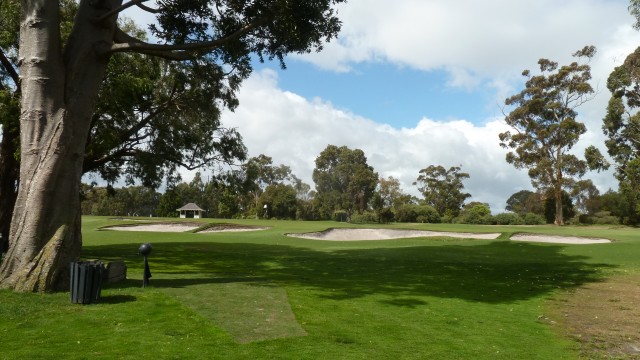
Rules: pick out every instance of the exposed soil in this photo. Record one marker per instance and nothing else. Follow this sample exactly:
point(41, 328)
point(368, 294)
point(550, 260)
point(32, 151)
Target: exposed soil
point(604, 318)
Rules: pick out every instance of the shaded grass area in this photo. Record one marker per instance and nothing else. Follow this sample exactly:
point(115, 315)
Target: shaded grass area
point(262, 295)
point(491, 272)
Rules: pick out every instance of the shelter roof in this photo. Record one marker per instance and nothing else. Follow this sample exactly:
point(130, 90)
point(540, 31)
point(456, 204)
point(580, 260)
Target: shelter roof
point(190, 207)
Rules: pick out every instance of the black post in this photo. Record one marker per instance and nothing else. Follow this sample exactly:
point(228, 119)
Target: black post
point(144, 250)
point(147, 273)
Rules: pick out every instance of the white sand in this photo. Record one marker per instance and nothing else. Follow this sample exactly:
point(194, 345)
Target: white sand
point(369, 234)
point(234, 229)
point(385, 234)
point(155, 227)
point(558, 239)
point(175, 227)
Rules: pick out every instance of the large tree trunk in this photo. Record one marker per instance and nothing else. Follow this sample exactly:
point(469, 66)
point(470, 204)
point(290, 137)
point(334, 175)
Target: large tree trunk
point(559, 215)
point(58, 98)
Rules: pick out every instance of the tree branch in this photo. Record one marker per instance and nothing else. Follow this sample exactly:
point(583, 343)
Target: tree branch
point(126, 6)
point(126, 43)
point(10, 69)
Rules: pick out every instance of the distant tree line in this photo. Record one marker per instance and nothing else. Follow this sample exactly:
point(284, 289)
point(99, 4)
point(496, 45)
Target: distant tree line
point(348, 189)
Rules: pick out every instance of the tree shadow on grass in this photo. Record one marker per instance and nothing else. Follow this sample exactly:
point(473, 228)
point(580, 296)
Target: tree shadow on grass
point(496, 272)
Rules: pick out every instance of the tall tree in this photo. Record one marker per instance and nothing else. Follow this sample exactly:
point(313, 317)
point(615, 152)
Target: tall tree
point(151, 117)
point(621, 125)
point(344, 181)
point(443, 189)
point(60, 81)
point(545, 125)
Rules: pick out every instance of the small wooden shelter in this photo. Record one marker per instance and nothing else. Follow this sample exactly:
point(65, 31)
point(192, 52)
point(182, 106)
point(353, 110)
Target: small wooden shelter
point(190, 211)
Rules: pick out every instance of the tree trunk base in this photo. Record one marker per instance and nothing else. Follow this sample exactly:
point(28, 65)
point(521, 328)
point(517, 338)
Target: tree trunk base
point(46, 271)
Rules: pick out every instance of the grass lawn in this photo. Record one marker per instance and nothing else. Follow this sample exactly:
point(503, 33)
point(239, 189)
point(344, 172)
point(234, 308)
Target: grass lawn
point(263, 295)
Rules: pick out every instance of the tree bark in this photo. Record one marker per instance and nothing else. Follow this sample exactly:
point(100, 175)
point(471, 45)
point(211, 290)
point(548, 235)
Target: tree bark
point(558, 197)
point(58, 97)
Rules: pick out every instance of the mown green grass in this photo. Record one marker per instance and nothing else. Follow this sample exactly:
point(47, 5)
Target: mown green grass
point(263, 295)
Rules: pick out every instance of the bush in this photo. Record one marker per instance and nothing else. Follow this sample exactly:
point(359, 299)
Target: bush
point(534, 219)
point(406, 213)
point(366, 217)
point(427, 214)
point(417, 213)
point(599, 218)
point(508, 219)
point(385, 216)
point(340, 215)
point(477, 214)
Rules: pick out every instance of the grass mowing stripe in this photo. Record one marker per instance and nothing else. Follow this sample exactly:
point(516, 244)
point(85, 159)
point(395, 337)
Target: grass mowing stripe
point(249, 311)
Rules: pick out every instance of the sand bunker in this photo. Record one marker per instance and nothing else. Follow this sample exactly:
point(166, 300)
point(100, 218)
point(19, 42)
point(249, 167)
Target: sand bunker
point(184, 227)
point(216, 229)
point(558, 239)
point(385, 234)
point(155, 227)
point(359, 234)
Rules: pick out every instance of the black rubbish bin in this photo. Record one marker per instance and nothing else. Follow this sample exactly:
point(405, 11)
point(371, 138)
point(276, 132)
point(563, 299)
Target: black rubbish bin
point(86, 281)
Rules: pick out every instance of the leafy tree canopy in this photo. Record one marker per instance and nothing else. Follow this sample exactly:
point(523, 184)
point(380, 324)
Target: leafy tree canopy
point(344, 180)
point(443, 189)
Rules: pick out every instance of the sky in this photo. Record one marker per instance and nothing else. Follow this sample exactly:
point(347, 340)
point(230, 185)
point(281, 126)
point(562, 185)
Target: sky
point(415, 83)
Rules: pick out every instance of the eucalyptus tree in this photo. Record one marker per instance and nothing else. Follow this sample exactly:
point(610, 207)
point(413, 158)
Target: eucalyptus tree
point(151, 117)
point(259, 173)
point(621, 126)
point(544, 125)
point(60, 81)
point(278, 201)
point(344, 181)
point(443, 188)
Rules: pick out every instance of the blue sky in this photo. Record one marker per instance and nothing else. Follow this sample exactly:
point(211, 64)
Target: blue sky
point(386, 93)
point(415, 83)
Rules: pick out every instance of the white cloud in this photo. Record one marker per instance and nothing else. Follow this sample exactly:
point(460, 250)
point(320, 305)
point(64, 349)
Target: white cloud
point(488, 38)
point(480, 44)
point(293, 131)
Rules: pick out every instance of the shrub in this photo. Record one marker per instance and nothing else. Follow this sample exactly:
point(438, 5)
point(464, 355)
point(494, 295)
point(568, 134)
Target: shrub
point(340, 215)
point(417, 213)
point(406, 213)
point(508, 219)
point(385, 216)
point(599, 218)
point(366, 217)
point(534, 219)
point(477, 214)
point(427, 214)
